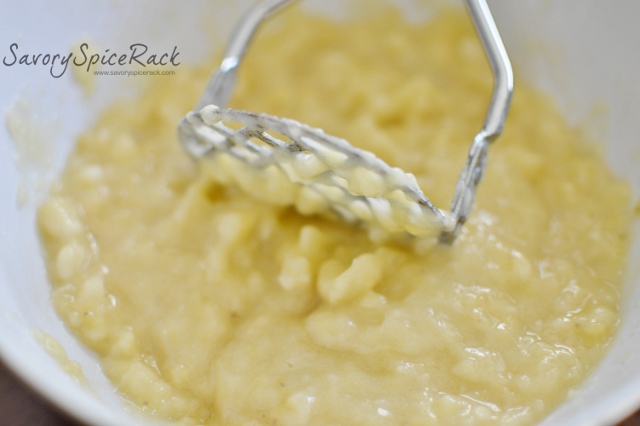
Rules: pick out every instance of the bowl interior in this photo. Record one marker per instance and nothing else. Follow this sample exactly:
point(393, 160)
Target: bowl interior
point(579, 51)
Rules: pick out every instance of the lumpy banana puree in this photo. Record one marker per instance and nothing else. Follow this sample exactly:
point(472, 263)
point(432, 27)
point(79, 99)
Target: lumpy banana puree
point(209, 306)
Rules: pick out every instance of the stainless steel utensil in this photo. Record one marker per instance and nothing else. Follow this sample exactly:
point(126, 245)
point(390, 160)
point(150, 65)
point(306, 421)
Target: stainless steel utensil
point(350, 181)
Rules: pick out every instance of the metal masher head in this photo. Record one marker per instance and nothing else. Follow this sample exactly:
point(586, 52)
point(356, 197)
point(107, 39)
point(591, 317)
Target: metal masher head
point(327, 170)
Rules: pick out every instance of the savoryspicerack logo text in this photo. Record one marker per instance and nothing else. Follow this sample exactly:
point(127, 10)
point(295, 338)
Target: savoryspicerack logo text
point(138, 54)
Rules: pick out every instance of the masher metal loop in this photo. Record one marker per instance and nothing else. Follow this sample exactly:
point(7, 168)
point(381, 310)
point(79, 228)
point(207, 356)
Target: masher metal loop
point(472, 173)
point(222, 82)
point(500, 66)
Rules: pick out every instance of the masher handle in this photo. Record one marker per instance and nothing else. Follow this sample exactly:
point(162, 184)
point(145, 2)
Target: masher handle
point(223, 80)
point(473, 171)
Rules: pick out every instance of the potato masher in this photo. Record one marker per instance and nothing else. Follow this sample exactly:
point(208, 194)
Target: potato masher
point(339, 177)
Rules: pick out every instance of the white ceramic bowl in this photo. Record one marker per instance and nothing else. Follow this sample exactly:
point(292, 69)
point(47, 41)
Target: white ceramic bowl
point(584, 52)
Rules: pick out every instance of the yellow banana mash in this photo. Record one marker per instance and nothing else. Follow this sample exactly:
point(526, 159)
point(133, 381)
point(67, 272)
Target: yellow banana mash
point(209, 306)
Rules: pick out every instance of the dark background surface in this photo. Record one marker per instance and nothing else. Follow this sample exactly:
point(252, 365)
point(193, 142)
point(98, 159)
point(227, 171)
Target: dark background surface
point(19, 406)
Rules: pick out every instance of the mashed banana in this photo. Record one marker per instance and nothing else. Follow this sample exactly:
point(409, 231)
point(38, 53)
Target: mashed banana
point(208, 306)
